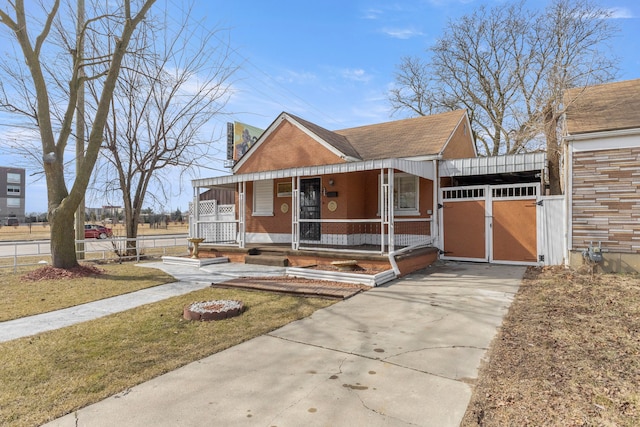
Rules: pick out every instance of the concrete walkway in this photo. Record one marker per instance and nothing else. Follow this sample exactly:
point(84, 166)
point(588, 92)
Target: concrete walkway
point(403, 354)
point(190, 279)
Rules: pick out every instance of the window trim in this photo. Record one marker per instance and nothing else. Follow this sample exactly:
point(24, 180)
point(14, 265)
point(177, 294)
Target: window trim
point(14, 189)
point(402, 211)
point(263, 202)
point(11, 200)
point(11, 178)
point(284, 189)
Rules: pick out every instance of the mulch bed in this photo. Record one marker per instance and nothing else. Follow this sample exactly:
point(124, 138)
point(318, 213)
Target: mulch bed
point(296, 285)
point(53, 273)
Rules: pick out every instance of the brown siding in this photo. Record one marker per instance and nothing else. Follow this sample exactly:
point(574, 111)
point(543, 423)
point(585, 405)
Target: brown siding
point(606, 199)
point(461, 144)
point(280, 222)
point(287, 147)
point(357, 199)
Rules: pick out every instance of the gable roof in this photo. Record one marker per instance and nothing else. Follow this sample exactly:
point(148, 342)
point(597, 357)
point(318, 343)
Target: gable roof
point(415, 137)
point(408, 138)
point(604, 107)
point(339, 142)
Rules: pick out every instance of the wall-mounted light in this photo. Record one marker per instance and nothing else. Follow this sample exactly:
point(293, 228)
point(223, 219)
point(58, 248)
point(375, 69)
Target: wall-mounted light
point(331, 182)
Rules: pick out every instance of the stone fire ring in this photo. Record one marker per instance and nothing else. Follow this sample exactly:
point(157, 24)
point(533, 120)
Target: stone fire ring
point(213, 310)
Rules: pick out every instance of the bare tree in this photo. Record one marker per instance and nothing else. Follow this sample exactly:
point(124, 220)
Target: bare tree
point(509, 66)
point(48, 94)
point(161, 103)
point(575, 55)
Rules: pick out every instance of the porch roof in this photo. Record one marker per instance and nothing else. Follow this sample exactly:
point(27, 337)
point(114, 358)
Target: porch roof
point(423, 169)
point(493, 165)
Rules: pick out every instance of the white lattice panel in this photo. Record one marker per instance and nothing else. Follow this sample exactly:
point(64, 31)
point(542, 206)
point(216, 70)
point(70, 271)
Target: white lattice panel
point(208, 207)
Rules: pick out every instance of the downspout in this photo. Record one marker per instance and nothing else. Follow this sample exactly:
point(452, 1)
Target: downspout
point(394, 264)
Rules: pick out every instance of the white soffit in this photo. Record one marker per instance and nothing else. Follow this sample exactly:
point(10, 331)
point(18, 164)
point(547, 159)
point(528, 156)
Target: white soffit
point(422, 169)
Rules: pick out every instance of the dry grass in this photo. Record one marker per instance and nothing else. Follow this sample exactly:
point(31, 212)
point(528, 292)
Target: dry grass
point(54, 373)
point(568, 354)
point(41, 231)
point(22, 298)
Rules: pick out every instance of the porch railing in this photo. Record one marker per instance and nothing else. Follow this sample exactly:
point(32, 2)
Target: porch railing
point(363, 235)
point(217, 224)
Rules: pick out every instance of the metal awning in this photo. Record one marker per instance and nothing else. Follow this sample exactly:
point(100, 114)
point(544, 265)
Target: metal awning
point(423, 169)
point(493, 165)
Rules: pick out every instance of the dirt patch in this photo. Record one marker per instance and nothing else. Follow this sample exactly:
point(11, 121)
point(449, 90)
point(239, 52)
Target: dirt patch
point(52, 273)
point(568, 354)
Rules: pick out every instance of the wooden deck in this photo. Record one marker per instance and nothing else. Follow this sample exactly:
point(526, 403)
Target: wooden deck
point(294, 286)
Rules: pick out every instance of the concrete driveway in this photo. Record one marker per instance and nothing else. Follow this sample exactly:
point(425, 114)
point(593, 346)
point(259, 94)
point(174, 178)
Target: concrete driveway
point(405, 354)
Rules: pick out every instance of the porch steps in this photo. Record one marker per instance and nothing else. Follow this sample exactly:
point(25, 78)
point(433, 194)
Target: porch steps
point(270, 260)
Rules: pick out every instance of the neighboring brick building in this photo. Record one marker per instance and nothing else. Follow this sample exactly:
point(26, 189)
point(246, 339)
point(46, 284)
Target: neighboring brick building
point(12, 194)
point(602, 136)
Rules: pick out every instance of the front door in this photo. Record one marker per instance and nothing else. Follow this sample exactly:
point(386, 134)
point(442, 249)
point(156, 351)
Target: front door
point(309, 209)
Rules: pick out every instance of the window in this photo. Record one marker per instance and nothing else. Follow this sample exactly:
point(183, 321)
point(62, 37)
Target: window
point(284, 189)
point(263, 198)
point(13, 190)
point(13, 202)
point(405, 194)
point(13, 178)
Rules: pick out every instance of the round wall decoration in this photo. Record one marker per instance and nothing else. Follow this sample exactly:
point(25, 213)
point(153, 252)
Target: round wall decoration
point(332, 205)
point(284, 208)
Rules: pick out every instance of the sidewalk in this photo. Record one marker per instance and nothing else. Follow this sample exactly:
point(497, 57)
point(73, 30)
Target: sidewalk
point(190, 279)
point(402, 354)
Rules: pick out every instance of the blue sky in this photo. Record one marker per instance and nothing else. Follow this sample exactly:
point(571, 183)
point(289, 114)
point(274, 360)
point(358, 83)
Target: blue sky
point(331, 62)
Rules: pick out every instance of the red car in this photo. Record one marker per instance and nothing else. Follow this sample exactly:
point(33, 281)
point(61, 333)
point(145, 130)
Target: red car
point(94, 231)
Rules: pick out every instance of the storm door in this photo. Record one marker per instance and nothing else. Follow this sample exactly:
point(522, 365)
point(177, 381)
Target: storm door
point(310, 208)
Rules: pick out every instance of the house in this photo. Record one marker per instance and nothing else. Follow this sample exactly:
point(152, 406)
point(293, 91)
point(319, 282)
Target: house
point(370, 190)
point(602, 143)
point(12, 195)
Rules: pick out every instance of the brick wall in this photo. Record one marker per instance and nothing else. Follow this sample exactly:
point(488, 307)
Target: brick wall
point(606, 199)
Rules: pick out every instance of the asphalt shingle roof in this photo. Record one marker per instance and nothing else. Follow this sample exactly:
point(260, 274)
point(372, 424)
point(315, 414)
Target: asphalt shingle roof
point(605, 107)
point(420, 136)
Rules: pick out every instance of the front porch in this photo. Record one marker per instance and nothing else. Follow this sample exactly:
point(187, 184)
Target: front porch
point(282, 255)
point(370, 206)
point(372, 211)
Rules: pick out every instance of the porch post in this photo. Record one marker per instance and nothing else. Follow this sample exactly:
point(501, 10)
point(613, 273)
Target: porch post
point(295, 213)
point(390, 213)
point(242, 190)
point(193, 228)
point(383, 208)
point(435, 214)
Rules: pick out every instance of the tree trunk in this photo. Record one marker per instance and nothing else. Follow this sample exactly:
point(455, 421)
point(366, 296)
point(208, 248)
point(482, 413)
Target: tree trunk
point(553, 150)
point(63, 249)
point(131, 226)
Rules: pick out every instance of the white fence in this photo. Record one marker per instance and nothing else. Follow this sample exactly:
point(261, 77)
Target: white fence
point(29, 253)
point(215, 223)
point(552, 230)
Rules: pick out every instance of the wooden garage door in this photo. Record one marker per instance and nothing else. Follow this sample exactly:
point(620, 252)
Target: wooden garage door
point(464, 223)
point(491, 223)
